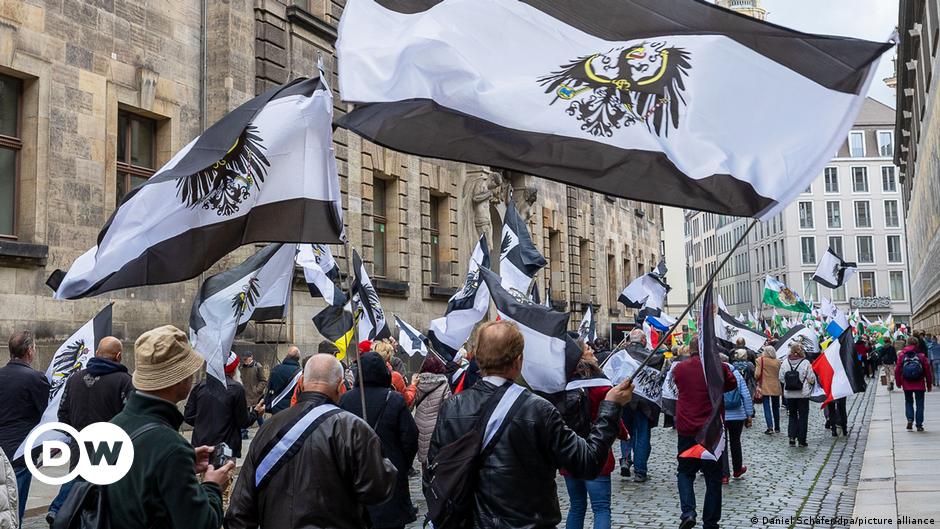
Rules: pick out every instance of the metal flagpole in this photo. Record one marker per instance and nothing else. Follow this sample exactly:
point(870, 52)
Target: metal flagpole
point(760, 311)
point(700, 293)
point(354, 340)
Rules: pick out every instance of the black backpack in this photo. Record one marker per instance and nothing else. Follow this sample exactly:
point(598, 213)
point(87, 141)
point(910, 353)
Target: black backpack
point(912, 370)
point(791, 379)
point(86, 506)
point(451, 478)
point(574, 405)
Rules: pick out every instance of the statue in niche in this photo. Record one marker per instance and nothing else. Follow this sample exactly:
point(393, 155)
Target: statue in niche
point(480, 192)
point(527, 208)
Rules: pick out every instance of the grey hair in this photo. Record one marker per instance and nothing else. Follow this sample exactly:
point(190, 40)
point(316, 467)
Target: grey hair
point(723, 357)
point(637, 336)
point(324, 369)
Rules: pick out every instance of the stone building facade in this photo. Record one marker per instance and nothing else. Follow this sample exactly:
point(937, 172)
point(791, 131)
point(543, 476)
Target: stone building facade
point(96, 95)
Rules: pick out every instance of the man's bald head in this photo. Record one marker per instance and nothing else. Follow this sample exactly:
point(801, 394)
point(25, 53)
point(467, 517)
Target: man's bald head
point(110, 347)
point(323, 374)
point(293, 352)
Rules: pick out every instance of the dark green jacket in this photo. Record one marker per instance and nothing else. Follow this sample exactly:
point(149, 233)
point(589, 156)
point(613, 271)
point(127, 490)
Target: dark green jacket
point(161, 489)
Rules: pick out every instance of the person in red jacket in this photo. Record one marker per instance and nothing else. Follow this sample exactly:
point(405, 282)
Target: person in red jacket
point(914, 381)
point(693, 409)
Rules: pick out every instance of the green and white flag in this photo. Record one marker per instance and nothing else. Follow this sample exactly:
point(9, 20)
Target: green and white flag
point(779, 295)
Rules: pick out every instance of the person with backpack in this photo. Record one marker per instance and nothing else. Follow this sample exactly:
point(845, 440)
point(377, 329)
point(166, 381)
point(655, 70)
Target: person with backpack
point(889, 358)
point(915, 377)
point(388, 415)
point(507, 475)
point(769, 388)
point(324, 477)
point(798, 378)
point(741, 361)
point(739, 409)
point(586, 403)
point(162, 489)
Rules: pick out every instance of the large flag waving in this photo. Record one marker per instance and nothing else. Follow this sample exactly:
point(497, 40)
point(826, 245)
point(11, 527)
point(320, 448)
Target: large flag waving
point(587, 330)
point(832, 271)
point(623, 97)
point(465, 309)
point(550, 355)
point(711, 437)
point(71, 356)
point(264, 172)
point(337, 324)
point(777, 294)
point(519, 259)
point(838, 370)
point(647, 292)
point(729, 330)
point(410, 338)
point(372, 324)
point(800, 334)
point(320, 272)
point(256, 290)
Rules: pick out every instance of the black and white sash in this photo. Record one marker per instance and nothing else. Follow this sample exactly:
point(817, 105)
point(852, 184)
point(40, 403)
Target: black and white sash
point(289, 440)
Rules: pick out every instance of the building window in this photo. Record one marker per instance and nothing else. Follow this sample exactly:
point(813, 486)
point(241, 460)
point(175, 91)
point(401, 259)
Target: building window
point(555, 263)
point(885, 143)
point(626, 271)
point(838, 294)
point(834, 215)
point(889, 183)
point(584, 260)
point(860, 179)
point(435, 229)
point(835, 243)
point(894, 249)
point(810, 291)
point(892, 218)
point(806, 216)
point(865, 252)
point(808, 248)
point(11, 90)
point(832, 179)
point(612, 291)
point(379, 227)
point(862, 214)
point(896, 279)
point(857, 144)
point(135, 151)
point(866, 283)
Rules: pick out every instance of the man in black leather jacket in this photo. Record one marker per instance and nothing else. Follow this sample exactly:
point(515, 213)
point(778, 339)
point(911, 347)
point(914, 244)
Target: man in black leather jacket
point(516, 482)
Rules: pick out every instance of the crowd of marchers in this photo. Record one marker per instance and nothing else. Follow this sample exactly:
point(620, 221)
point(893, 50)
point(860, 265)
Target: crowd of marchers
point(337, 444)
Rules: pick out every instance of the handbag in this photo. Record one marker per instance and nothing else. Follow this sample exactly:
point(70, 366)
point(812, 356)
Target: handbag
point(758, 394)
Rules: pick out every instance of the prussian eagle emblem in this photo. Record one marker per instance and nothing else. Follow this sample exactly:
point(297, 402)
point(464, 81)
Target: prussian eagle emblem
point(66, 363)
point(624, 86)
point(225, 184)
point(246, 297)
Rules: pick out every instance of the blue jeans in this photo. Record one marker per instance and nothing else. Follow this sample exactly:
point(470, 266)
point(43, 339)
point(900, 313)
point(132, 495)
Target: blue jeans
point(935, 366)
point(685, 480)
point(910, 397)
point(637, 449)
point(23, 479)
point(578, 492)
point(772, 412)
point(60, 497)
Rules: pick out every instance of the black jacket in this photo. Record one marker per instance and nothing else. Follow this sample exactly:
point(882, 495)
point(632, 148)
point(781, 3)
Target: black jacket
point(24, 393)
point(218, 416)
point(337, 471)
point(889, 355)
point(516, 482)
point(281, 375)
point(389, 417)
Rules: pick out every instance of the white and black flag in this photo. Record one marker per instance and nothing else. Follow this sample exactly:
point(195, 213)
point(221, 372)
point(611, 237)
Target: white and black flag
point(801, 334)
point(587, 330)
point(647, 292)
point(465, 309)
point(519, 259)
point(623, 97)
point(372, 324)
point(265, 172)
point(729, 330)
point(320, 272)
point(832, 271)
point(71, 356)
point(550, 356)
point(411, 339)
point(534, 295)
point(256, 290)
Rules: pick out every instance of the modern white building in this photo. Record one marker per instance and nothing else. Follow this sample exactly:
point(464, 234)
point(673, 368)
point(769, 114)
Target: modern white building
point(674, 253)
point(854, 207)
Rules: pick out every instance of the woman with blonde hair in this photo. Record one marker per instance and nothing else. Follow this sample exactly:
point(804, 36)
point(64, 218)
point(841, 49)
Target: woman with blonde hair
point(768, 389)
point(798, 380)
point(386, 350)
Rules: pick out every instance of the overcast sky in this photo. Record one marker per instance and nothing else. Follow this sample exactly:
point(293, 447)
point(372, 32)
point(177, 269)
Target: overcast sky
point(866, 19)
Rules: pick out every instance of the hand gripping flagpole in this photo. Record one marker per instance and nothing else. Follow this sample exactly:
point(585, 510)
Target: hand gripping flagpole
point(354, 339)
point(698, 296)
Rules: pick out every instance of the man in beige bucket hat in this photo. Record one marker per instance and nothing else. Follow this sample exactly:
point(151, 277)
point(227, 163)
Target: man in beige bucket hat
point(162, 490)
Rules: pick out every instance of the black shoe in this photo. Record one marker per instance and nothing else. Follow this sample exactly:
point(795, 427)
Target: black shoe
point(776, 430)
point(639, 478)
point(835, 432)
point(803, 444)
point(624, 468)
point(768, 431)
point(50, 518)
point(687, 523)
point(792, 442)
point(910, 425)
point(920, 428)
point(827, 425)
